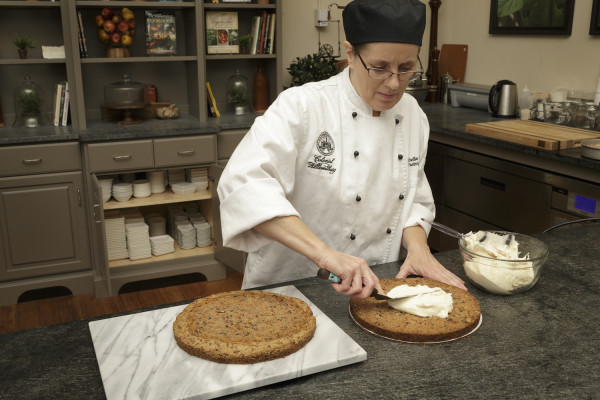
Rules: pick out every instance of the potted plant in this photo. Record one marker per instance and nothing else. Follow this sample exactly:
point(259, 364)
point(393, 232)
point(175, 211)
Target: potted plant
point(23, 43)
point(314, 67)
point(238, 98)
point(29, 99)
point(244, 43)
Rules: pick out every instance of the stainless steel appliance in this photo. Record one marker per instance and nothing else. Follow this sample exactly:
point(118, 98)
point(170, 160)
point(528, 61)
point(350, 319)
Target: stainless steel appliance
point(503, 99)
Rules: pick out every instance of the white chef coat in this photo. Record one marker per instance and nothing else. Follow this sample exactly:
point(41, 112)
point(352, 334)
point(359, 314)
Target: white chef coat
point(318, 153)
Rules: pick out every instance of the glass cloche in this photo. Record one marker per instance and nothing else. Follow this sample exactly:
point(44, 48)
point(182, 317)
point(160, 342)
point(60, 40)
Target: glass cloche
point(29, 104)
point(238, 98)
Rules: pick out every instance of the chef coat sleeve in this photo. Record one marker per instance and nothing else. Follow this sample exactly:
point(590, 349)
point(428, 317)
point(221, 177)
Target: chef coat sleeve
point(422, 205)
point(260, 173)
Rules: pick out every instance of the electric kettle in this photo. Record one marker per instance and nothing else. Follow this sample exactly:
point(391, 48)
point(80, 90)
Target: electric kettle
point(503, 99)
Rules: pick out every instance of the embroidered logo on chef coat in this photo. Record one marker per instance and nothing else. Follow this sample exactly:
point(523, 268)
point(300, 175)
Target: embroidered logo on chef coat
point(325, 144)
point(326, 147)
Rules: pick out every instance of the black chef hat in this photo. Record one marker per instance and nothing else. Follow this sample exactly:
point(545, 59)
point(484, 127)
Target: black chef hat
point(401, 21)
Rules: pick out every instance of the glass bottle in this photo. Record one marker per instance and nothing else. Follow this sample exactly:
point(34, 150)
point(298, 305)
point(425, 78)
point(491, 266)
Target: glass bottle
point(238, 99)
point(29, 103)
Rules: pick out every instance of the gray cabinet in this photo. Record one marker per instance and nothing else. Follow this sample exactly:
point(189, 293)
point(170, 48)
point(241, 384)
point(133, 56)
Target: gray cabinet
point(117, 158)
point(43, 231)
point(179, 78)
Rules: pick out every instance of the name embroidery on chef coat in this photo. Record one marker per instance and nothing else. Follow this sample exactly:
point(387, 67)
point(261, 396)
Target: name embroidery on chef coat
point(413, 162)
point(326, 147)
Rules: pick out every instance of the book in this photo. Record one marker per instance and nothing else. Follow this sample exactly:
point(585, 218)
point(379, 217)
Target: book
point(222, 32)
point(272, 34)
point(65, 113)
point(83, 49)
point(261, 42)
point(161, 33)
point(254, 33)
point(62, 103)
point(56, 104)
point(213, 102)
point(267, 27)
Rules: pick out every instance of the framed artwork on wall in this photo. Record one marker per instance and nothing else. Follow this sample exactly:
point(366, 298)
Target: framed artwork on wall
point(595, 22)
point(533, 17)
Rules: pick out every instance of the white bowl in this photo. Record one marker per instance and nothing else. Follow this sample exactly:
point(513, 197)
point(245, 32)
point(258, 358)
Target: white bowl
point(591, 148)
point(183, 188)
point(122, 197)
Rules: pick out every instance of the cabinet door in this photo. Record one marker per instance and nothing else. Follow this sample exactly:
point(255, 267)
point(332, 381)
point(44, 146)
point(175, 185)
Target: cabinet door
point(232, 258)
point(43, 229)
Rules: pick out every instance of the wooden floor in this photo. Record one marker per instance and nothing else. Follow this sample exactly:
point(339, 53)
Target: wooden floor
point(35, 313)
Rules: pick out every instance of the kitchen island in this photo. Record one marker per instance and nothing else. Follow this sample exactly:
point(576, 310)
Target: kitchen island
point(539, 344)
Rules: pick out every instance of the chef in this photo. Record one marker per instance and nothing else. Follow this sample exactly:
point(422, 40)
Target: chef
point(331, 176)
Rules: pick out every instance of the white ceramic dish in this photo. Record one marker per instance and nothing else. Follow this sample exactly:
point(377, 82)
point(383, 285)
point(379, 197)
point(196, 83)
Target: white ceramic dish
point(591, 148)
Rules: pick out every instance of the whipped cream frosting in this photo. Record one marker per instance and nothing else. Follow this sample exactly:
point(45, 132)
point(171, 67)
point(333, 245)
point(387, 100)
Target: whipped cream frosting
point(493, 273)
point(437, 303)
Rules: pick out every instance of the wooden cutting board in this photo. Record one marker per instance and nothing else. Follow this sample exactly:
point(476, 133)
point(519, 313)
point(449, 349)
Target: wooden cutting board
point(453, 59)
point(533, 133)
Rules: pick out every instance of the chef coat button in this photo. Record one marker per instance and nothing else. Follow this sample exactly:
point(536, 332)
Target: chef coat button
point(400, 156)
point(388, 231)
point(358, 198)
point(401, 197)
point(397, 121)
point(352, 236)
point(356, 153)
point(354, 114)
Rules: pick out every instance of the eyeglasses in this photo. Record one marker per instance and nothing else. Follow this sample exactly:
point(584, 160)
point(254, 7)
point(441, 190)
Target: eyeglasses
point(382, 74)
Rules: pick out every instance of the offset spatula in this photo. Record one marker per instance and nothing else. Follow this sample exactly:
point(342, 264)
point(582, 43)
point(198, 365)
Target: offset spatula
point(325, 274)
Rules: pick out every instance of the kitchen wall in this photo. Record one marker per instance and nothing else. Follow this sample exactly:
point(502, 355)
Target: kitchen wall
point(540, 62)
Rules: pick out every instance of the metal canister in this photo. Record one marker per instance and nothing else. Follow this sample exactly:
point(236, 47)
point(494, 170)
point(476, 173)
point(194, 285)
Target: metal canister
point(445, 82)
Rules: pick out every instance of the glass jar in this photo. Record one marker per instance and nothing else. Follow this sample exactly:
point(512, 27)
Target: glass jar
point(238, 99)
point(29, 103)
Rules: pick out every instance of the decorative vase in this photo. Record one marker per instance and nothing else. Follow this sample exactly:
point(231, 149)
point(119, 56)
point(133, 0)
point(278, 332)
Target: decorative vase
point(261, 91)
point(29, 103)
point(22, 53)
point(117, 52)
point(237, 93)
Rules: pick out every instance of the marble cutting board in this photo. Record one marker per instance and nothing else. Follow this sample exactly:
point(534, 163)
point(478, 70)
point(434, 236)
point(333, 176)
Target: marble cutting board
point(139, 359)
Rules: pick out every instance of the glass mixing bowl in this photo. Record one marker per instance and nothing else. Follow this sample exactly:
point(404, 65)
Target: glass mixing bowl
point(506, 277)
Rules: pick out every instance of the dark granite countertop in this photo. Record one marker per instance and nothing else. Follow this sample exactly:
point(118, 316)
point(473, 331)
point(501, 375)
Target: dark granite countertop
point(445, 121)
point(539, 344)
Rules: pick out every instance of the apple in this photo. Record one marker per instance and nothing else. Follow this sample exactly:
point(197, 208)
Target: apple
point(103, 36)
point(126, 40)
point(115, 38)
point(123, 27)
point(99, 21)
point(107, 13)
point(109, 26)
point(132, 24)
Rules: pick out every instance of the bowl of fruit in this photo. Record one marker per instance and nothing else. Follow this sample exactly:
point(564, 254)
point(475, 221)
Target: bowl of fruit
point(116, 30)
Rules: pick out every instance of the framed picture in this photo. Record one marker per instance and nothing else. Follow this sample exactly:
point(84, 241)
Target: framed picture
point(533, 17)
point(595, 22)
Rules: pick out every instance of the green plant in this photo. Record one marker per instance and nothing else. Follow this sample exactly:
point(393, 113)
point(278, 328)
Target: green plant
point(312, 68)
point(29, 102)
point(245, 40)
point(237, 96)
point(23, 42)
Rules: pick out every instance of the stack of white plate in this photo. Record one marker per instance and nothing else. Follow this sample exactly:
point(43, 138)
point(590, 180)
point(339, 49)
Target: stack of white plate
point(158, 226)
point(197, 176)
point(183, 188)
point(176, 176)
point(106, 185)
point(202, 234)
point(122, 191)
point(116, 240)
point(162, 244)
point(197, 218)
point(141, 188)
point(138, 240)
point(158, 181)
point(186, 235)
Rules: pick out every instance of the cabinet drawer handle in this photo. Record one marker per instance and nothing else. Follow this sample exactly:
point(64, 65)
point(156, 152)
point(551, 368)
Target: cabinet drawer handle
point(185, 153)
point(32, 161)
point(122, 158)
point(492, 184)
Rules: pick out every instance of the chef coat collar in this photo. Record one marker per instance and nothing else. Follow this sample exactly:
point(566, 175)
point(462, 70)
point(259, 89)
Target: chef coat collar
point(357, 103)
